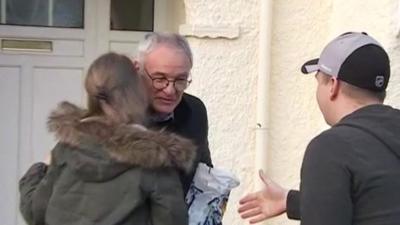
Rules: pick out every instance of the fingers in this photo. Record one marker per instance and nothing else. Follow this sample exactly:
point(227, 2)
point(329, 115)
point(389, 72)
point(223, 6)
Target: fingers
point(266, 203)
point(258, 218)
point(247, 198)
point(248, 206)
point(251, 213)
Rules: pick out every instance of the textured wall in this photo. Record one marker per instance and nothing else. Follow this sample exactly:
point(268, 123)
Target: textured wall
point(225, 77)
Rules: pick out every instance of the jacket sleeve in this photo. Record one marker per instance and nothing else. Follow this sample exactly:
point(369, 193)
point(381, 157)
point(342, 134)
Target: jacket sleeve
point(204, 149)
point(293, 205)
point(35, 190)
point(167, 203)
point(326, 182)
point(27, 187)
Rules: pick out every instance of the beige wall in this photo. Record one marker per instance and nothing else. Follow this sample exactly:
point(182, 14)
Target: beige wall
point(225, 77)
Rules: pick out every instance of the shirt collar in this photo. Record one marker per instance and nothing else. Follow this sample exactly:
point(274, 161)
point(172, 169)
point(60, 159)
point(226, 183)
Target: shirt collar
point(163, 118)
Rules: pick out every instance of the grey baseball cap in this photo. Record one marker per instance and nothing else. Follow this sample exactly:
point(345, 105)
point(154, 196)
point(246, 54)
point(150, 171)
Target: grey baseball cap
point(355, 58)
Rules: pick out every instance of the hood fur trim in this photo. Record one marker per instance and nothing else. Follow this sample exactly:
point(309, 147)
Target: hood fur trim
point(130, 144)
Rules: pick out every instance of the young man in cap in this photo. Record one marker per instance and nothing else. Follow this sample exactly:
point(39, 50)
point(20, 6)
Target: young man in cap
point(350, 172)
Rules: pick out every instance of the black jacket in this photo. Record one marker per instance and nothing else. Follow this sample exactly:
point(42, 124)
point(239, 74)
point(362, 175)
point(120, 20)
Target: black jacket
point(102, 174)
point(351, 172)
point(190, 121)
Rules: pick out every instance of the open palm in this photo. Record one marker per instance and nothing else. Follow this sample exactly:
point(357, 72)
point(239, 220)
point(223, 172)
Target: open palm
point(263, 204)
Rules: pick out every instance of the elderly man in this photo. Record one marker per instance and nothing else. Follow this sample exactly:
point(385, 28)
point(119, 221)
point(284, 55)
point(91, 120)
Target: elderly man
point(165, 59)
point(350, 172)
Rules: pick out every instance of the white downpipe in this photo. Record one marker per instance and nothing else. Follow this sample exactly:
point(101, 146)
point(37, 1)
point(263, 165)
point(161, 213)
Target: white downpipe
point(263, 86)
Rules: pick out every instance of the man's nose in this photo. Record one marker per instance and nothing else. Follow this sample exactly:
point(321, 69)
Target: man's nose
point(170, 88)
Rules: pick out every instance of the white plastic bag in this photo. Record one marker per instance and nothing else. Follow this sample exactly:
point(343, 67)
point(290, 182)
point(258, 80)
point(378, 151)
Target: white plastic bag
point(208, 195)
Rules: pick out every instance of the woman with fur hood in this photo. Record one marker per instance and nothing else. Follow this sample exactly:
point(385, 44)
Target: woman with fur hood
point(107, 168)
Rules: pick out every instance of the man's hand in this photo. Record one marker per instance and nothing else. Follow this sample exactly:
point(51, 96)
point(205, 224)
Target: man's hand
point(264, 204)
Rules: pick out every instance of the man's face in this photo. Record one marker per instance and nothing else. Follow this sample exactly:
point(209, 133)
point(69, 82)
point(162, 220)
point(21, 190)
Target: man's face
point(166, 62)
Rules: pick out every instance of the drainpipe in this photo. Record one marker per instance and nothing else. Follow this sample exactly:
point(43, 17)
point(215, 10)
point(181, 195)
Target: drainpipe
point(263, 84)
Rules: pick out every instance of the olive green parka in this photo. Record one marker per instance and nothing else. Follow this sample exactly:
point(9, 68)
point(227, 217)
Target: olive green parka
point(105, 175)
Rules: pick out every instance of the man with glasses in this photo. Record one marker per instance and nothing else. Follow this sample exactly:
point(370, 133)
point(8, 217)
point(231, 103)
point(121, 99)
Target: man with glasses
point(166, 60)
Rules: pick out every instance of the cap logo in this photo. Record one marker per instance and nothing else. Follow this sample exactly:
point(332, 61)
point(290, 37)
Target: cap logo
point(379, 81)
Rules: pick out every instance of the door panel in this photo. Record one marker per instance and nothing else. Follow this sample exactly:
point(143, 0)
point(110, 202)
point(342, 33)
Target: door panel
point(9, 129)
point(125, 42)
point(51, 86)
point(33, 81)
point(127, 48)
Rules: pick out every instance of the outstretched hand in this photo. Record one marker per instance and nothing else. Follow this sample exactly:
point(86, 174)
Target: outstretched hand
point(266, 203)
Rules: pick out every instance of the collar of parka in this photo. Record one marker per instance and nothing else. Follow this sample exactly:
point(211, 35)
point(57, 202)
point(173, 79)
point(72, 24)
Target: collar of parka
point(128, 144)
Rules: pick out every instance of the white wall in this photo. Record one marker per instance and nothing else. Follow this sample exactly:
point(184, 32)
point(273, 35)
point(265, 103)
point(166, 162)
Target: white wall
point(224, 77)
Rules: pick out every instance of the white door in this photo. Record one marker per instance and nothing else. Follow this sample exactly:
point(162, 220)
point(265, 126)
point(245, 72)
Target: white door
point(44, 54)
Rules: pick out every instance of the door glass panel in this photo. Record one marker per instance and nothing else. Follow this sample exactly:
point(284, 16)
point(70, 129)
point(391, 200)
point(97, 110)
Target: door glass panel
point(68, 13)
point(137, 15)
point(48, 13)
point(22, 12)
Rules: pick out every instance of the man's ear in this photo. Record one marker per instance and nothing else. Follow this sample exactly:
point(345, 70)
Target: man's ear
point(135, 64)
point(335, 85)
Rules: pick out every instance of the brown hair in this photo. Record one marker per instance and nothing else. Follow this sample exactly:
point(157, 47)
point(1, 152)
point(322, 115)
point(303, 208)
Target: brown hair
point(361, 95)
point(115, 90)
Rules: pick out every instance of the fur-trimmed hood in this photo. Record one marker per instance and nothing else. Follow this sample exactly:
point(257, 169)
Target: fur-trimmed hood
point(94, 146)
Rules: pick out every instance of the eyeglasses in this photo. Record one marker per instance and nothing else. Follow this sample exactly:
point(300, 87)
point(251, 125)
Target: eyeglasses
point(161, 83)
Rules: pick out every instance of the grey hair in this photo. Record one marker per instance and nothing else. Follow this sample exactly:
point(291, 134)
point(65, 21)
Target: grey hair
point(152, 40)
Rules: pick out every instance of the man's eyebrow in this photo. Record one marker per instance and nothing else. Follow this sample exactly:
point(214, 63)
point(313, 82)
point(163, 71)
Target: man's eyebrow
point(159, 74)
point(162, 74)
point(185, 74)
